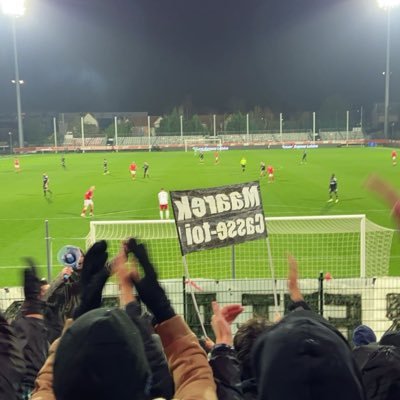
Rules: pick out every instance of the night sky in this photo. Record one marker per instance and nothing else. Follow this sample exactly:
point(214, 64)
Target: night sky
point(150, 55)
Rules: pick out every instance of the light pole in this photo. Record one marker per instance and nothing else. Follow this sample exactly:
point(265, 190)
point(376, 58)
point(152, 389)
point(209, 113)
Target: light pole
point(11, 147)
point(387, 5)
point(15, 9)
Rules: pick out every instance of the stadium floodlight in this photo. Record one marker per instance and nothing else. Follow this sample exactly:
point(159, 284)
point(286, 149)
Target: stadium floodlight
point(10, 135)
point(15, 9)
point(387, 5)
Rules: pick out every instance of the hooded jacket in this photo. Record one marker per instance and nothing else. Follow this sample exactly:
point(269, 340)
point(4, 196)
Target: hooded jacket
point(187, 362)
point(381, 373)
point(304, 358)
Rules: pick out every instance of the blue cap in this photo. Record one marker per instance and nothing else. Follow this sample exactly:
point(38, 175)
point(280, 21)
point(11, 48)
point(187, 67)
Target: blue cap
point(363, 335)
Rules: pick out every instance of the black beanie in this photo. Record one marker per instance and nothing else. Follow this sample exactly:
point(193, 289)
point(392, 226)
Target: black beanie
point(301, 358)
point(101, 356)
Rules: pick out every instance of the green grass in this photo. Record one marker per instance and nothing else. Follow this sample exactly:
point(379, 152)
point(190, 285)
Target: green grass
point(298, 190)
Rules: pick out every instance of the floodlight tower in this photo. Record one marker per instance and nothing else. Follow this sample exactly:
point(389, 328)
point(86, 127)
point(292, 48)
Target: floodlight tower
point(16, 9)
point(387, 5)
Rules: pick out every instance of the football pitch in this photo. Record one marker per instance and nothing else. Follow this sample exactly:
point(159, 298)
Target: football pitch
point(299, 189)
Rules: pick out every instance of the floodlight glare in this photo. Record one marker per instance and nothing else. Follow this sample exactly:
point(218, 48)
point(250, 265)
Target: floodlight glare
point(388, 3)
point(14, 8)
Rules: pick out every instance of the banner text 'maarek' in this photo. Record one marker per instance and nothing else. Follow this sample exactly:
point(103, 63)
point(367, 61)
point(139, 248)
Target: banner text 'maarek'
point(219, 216)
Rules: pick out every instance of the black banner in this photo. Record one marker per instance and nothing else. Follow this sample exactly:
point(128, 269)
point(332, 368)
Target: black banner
point(219, 216)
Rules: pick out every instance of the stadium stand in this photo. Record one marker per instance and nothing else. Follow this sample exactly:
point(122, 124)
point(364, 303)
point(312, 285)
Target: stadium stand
point(233, 139)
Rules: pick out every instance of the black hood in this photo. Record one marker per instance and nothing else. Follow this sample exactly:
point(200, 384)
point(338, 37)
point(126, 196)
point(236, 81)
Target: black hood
point(101, 356)
point(303, 358)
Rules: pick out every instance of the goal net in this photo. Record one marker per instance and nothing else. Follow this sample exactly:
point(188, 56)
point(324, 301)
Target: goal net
point(346, 246)
point(203, 144)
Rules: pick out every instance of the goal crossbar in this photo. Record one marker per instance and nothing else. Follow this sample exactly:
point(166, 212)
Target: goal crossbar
point(203, 143)
point(344, 245)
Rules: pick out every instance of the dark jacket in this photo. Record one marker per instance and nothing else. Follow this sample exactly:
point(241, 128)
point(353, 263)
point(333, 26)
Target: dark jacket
point(61, 300)
point(187, 361)
point(390, 339)
point(249, 389)
point(248, 386)
point(381, 373)
point(162, 382)
point(362, 353)
point(303, 357)
point(31, 335)
point(226, 370)
point(12, 365)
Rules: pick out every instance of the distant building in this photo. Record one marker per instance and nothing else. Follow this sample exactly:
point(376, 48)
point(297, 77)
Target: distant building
point(89, 119)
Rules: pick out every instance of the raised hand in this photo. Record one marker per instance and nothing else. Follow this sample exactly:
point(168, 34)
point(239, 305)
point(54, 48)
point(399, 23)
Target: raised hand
point(387, 192)
point(93, 277)
point(293, 277)
point(231, 311)
point(125, 271)
point(31, 281)
point(221, 322)
point(148, 287)
point(32, 290)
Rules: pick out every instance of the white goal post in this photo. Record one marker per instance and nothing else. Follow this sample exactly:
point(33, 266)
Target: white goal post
point(343, 245)
point(203, 144)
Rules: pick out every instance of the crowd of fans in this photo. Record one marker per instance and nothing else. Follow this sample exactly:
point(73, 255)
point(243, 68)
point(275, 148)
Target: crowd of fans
point(63, 345)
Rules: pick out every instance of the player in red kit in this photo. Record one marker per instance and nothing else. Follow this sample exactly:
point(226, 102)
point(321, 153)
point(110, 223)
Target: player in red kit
point(132, 169)
point(216, 157)
point(17, 167)
point(394, 157)
point(88, 202)
point(270, 171)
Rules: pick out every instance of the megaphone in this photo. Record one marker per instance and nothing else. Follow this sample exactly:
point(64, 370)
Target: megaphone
point(70, 256)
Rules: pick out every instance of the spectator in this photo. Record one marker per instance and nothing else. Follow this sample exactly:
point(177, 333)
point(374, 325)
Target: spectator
point(248, 333)
point(304, 357)
point(12, 363)
point(380, 368)
point(30, 330)
point(186, 360)
point(162, 384)
point(227, 361)
point(62, 296)
point(243, 342)
point(223, 357)
point(363, 335)
point(101, 356)
point(390, 339)
point(364, 340)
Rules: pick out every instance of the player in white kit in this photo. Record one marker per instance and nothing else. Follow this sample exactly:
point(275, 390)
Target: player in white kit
point(163, 202)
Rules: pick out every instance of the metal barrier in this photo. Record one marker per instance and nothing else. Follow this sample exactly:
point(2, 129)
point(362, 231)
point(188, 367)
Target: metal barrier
point(346, 303)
